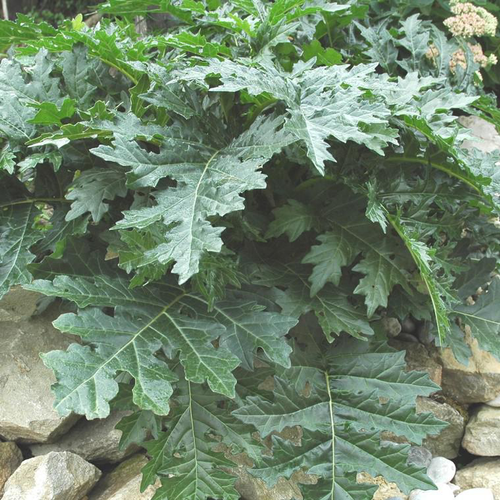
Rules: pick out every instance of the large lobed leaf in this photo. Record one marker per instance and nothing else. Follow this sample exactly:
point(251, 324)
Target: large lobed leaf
point(342, 402)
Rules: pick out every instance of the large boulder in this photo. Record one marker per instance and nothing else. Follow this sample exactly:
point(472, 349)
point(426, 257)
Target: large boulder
point(20, 304)
point(56, 476)
point(447, 442)
point(26, 401)
point(481, 473)
point(476, 382)
point(482, 434)
point(10, 459)
point(419, 359)
point(123, 483)
point(94, 440)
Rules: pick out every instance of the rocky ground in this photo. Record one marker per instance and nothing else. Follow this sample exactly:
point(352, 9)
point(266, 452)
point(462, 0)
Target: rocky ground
point(44, 456)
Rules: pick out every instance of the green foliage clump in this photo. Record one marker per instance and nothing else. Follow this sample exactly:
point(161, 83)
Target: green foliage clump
point(231, 208)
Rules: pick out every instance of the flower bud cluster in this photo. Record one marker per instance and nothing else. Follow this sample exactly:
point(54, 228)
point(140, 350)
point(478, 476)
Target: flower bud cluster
point(458, 57)
point(470, 20)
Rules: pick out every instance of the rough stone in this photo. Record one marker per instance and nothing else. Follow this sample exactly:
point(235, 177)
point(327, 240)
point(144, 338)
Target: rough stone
point(481, 473)
point(10, 459)
point(94, 440)
point(478, 382)
point(252, 488)
point(26, 401)
point(56, 476)
point(482, 434)
point(486, 137)
point(447, 442)
point(494, 402)
point(418, 358)
point(391, 326)
point(476, 494)
point(441, 470)
point(419, 456)
point(123, 483)
point(19, 304)
point(385, 489)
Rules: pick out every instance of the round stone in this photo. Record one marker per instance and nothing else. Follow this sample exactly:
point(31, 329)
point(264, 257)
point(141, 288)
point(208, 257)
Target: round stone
point(442, 493)
point(476, 494)
point(441, 470)
point(494, 402)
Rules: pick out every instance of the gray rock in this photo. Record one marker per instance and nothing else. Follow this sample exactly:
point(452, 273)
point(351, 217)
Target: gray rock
point(94, 440)
point(19, 304)
point(476, 494)
point(407, 337)
point(481, 473)
point(26, 401)
point(123, 483)
point(485, 136)
point(419, 456)
point(441, 470)
point(478, 382)
point(494, 402)
point(10, 459)
point(482, 434)
point(409, 326)
point(418, 358)
point(447, 442)
point(56, 476)
point(425, 335)
point(391, 326)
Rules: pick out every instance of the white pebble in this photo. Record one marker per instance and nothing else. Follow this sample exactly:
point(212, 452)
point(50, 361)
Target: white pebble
point(442, 493)
point(441, 470)
point(476, 494)
point(453, 487)
point(494, 402)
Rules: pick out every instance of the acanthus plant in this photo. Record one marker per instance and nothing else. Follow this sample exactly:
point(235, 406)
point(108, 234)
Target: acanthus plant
point(229, 208)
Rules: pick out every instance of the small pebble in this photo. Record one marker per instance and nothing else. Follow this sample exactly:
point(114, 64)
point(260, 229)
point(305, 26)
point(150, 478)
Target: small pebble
point(407, 337)
point(425, 336)
point(494, 402)
point(476, 494)
point(453, 487)
point(442, 493)
point(391, 326)
point(419, 456)
point(408, 325)
point(441, 470)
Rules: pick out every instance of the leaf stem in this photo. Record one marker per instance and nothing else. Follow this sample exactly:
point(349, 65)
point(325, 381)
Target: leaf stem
point(423, 161)
point(35, 200)
point(332, 425)
point(418, 261)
